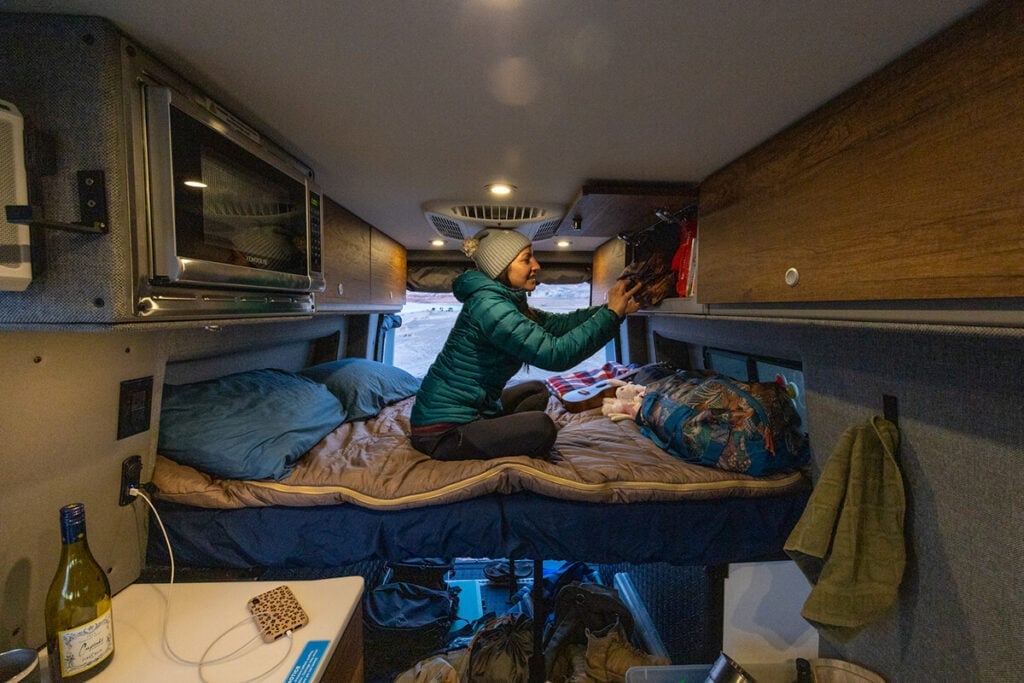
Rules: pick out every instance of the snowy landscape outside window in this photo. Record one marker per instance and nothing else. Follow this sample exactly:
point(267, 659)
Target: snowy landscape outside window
point(427, 317)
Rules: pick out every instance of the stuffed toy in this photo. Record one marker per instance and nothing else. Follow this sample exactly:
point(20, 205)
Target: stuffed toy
point(626, 402)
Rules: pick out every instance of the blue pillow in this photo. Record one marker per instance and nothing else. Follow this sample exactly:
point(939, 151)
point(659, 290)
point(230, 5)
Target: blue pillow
point(363, 386)
point(249, 425)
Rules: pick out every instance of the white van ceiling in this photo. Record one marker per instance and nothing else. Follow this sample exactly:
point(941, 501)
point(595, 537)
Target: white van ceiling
point(397, 103)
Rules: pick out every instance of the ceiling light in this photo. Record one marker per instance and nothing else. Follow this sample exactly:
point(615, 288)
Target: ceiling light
point(501, 188)
point(437, 243)
point(563, 243)
point(195, 183)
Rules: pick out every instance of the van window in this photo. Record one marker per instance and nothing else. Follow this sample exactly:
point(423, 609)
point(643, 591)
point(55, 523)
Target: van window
point(427, 317)
point(751, 368)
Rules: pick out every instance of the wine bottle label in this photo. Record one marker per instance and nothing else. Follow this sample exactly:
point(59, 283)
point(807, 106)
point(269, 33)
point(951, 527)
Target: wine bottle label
point(85, 646)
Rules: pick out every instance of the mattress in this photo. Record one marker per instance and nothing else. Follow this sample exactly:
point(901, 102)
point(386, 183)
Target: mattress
point(363, 493)
point(372, 464)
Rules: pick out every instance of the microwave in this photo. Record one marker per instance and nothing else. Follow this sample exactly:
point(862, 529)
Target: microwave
point(234, 224)
point(192, 212)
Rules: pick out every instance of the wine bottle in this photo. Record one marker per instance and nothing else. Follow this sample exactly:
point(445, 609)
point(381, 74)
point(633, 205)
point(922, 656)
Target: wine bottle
point(79, 620)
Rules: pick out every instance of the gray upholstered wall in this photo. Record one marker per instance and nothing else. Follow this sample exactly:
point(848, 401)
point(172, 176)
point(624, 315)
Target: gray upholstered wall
point(58, 435)
point(959, 390)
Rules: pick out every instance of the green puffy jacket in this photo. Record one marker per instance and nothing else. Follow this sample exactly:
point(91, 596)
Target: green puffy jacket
point(492, 339)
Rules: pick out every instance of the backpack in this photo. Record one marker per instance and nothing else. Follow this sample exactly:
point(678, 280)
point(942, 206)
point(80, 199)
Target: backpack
point(500, 651)
point(554, 581)
point(712, 420)
point(403, 623)
point(431, 572)
point(580, 607)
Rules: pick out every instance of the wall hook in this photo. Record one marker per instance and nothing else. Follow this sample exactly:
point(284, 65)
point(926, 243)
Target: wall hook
point(891, 409)
point(92, 207)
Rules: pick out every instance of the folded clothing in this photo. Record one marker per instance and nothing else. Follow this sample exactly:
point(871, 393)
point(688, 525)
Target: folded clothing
point(563, 384)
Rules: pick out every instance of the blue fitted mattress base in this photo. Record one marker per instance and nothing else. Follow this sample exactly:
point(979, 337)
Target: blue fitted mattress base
point(520, 525)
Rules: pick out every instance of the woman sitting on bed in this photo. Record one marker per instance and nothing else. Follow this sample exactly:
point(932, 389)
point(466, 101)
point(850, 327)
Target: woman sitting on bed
point(463, 410)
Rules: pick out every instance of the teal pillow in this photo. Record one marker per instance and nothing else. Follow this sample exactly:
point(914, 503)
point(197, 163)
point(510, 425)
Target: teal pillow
point(249, 425)
point(363, 386)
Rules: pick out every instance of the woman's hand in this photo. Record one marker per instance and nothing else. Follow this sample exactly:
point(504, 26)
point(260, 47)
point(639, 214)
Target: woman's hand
point(620, 299)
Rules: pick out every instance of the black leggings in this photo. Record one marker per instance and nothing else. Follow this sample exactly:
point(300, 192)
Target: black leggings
point(523, 428)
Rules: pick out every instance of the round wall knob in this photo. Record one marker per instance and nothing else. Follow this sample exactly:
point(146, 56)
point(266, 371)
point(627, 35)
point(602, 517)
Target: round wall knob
point(792, 277)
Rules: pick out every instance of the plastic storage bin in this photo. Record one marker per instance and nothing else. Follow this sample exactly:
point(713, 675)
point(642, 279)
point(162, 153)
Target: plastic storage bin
point(695, 673)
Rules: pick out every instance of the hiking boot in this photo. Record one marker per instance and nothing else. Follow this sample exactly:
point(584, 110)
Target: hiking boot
point(610, 654)
point(507, 573)
point(578, 657)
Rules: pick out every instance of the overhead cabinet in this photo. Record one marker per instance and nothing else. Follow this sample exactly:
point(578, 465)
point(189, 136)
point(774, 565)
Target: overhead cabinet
point(346, 257)
point(364, 269)
point(387, 271)
point(608, 208)
point(908, 186)
point(619, 209)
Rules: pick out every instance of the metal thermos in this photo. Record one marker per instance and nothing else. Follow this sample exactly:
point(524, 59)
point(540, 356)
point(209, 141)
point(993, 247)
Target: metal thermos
point(725, 670)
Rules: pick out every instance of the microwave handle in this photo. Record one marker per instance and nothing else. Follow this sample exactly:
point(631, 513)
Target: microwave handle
point(160, 166)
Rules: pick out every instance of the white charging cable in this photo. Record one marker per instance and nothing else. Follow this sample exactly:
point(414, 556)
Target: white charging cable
point(203, 661)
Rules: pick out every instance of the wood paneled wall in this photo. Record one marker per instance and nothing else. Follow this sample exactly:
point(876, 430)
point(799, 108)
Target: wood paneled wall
point(908, 186)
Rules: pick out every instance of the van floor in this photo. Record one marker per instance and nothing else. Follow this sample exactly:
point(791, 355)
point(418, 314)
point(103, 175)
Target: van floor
point(684, 603)
point(478, 595)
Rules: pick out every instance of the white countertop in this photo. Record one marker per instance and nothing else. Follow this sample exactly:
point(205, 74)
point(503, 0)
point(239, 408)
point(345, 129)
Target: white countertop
point(200, 613)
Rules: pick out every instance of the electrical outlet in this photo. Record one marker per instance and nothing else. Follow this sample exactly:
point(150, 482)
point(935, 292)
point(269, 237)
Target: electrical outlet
point(134, 406)
point(131, 475)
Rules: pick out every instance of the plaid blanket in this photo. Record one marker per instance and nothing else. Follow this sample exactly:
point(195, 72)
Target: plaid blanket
point(563, 384)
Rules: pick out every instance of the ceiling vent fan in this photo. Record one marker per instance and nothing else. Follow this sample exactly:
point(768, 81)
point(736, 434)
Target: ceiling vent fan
point(458, 221)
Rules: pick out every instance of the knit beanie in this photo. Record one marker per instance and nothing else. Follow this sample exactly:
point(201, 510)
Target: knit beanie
point(494, 248)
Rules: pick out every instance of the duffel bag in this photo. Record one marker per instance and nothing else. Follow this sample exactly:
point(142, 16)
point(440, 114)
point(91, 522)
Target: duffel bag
point(580, 607)
point(403, 623)
point(712, 420)
point(432, 572)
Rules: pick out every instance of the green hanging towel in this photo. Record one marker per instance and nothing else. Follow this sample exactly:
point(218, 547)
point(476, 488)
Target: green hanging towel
point(849, 542)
